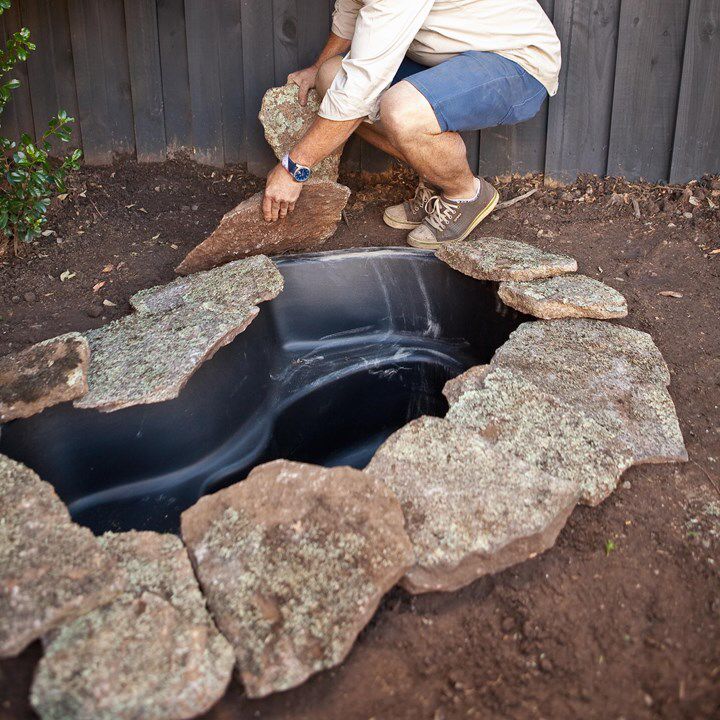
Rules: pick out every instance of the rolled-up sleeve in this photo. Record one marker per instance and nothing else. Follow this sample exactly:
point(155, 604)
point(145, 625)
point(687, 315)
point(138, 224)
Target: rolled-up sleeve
point(344, 18)
point(382, 34)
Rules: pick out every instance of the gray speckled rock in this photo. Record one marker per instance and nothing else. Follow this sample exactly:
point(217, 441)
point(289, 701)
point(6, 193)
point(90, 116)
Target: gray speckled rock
point(243, 231)
point(491, 258)
point(142, 359)
point(293, 562)
point(470, 508)
point(285, 121)
point(149, 356)
point(43, 375)
point(568, 296)
point(519, 418)
point(51, 570)
point(152, 654)
point(614, 375)
point(471, 379)
point(234, 286)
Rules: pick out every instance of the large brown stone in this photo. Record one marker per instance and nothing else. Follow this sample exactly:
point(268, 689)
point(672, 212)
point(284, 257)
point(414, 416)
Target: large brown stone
point(152, 654)
point(149, 356)
point(613, 374)
point(567, 296)
point(244, 232)
point(470, 508)
point(43, 375)
point(293, 562)
point(51, 570)
point(491, 258)
point(285, 121)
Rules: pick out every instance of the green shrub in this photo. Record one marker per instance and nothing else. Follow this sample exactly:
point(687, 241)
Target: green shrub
point(30, 176)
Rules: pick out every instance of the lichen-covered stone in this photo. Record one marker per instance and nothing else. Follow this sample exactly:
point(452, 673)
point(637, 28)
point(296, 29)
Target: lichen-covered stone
point(520, 418)
point(43, 375)
point(142, 359)
point(152, 654)
point(470, 508)
point(567, 296)
point(471, 379)
point(244, 232)
point(614, 375)
point(293, 562)
point(234, 286)
point(51, 570)
point(285, 121)
point(491, 258)
point(149, 356)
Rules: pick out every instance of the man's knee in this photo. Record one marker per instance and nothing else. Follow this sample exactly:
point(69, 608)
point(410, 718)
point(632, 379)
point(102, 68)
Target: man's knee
point(326, 74)
point(405, 113)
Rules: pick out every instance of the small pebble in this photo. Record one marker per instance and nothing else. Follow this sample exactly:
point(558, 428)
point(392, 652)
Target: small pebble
point(30, 297)
point(94, 311)
point(15, 299)
point(507, 624)
point(545, 665)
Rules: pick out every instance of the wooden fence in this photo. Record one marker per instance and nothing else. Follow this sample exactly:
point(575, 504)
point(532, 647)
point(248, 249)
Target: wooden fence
point(639, 93)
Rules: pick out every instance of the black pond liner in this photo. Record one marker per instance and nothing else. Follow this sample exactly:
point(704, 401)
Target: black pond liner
point(358, 343)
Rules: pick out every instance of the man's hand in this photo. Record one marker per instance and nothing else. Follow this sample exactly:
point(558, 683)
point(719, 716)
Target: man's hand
point(305, 80)
point(281, 194)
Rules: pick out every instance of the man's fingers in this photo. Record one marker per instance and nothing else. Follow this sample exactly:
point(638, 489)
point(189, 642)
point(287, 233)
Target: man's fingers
point(283, 210)
point(275, 210)
point(291, 207)
point(303, 95)
point(267, 208)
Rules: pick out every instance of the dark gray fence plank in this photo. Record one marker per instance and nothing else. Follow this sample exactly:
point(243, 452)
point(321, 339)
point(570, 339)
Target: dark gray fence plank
point(579, 118)
point(17, 118)
point(285, 40)
point(51, 72)
point(97, 29)
point(697, 133)
point(146, 79)
point(472, 144)
point(647, 80)
point(175, 77)
point(516, 148)
point(259, 64)
point(230, 47)
point(204, 73)
point(313, 28)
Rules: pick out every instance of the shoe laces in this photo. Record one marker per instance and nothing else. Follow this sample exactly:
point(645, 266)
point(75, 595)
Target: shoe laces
point(422, 195)
point(440, 211)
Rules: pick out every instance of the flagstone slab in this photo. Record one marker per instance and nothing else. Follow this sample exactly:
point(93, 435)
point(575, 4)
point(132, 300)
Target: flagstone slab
point(470, 508)
point(565, 296)
point(51, 570)
point(231, 287)
point(293, 562)
point(497, 259)
point(285, 122)
point(612, 374)
point(518, 417)
point(154, 653)
point(244, 232)
point(43, 375)
point(149, 356)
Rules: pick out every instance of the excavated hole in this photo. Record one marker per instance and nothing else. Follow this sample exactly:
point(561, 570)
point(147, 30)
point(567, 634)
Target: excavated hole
point(358, 344)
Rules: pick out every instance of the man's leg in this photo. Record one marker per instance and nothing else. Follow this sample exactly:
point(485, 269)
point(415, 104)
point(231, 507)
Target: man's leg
point(409, 123)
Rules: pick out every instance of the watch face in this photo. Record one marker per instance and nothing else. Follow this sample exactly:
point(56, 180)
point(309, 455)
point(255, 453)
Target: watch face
point(302, 174)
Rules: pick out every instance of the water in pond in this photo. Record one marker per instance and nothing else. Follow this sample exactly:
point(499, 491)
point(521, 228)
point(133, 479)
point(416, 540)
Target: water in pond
point(357, 344)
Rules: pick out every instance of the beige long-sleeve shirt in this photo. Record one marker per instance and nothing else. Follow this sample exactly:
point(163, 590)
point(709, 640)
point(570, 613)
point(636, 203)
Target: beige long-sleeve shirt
point(429, 32)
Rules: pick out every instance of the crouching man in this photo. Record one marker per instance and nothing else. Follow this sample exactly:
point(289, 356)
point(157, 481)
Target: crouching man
point(410, 75)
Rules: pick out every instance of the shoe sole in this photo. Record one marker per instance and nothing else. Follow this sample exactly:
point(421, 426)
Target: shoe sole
point(399, 224)
point(481, 216)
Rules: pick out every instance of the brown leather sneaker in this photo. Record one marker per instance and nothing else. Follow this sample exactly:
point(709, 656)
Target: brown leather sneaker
point(453, 219)
point(410, 214)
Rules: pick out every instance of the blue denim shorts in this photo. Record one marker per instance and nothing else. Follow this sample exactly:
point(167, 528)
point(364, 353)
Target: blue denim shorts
point(476, 90)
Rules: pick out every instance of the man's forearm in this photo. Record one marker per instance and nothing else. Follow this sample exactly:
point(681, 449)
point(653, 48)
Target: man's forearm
point(335, 45)
point(322, 139)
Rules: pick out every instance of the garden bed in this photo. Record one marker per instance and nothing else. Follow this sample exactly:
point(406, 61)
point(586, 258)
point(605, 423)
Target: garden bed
point(622, 617)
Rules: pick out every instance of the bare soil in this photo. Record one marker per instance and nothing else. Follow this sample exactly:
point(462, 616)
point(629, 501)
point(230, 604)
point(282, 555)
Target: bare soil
point(621, 619)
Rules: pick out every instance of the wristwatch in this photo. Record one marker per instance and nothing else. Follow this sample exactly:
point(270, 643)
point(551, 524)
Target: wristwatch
point(300, 173)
